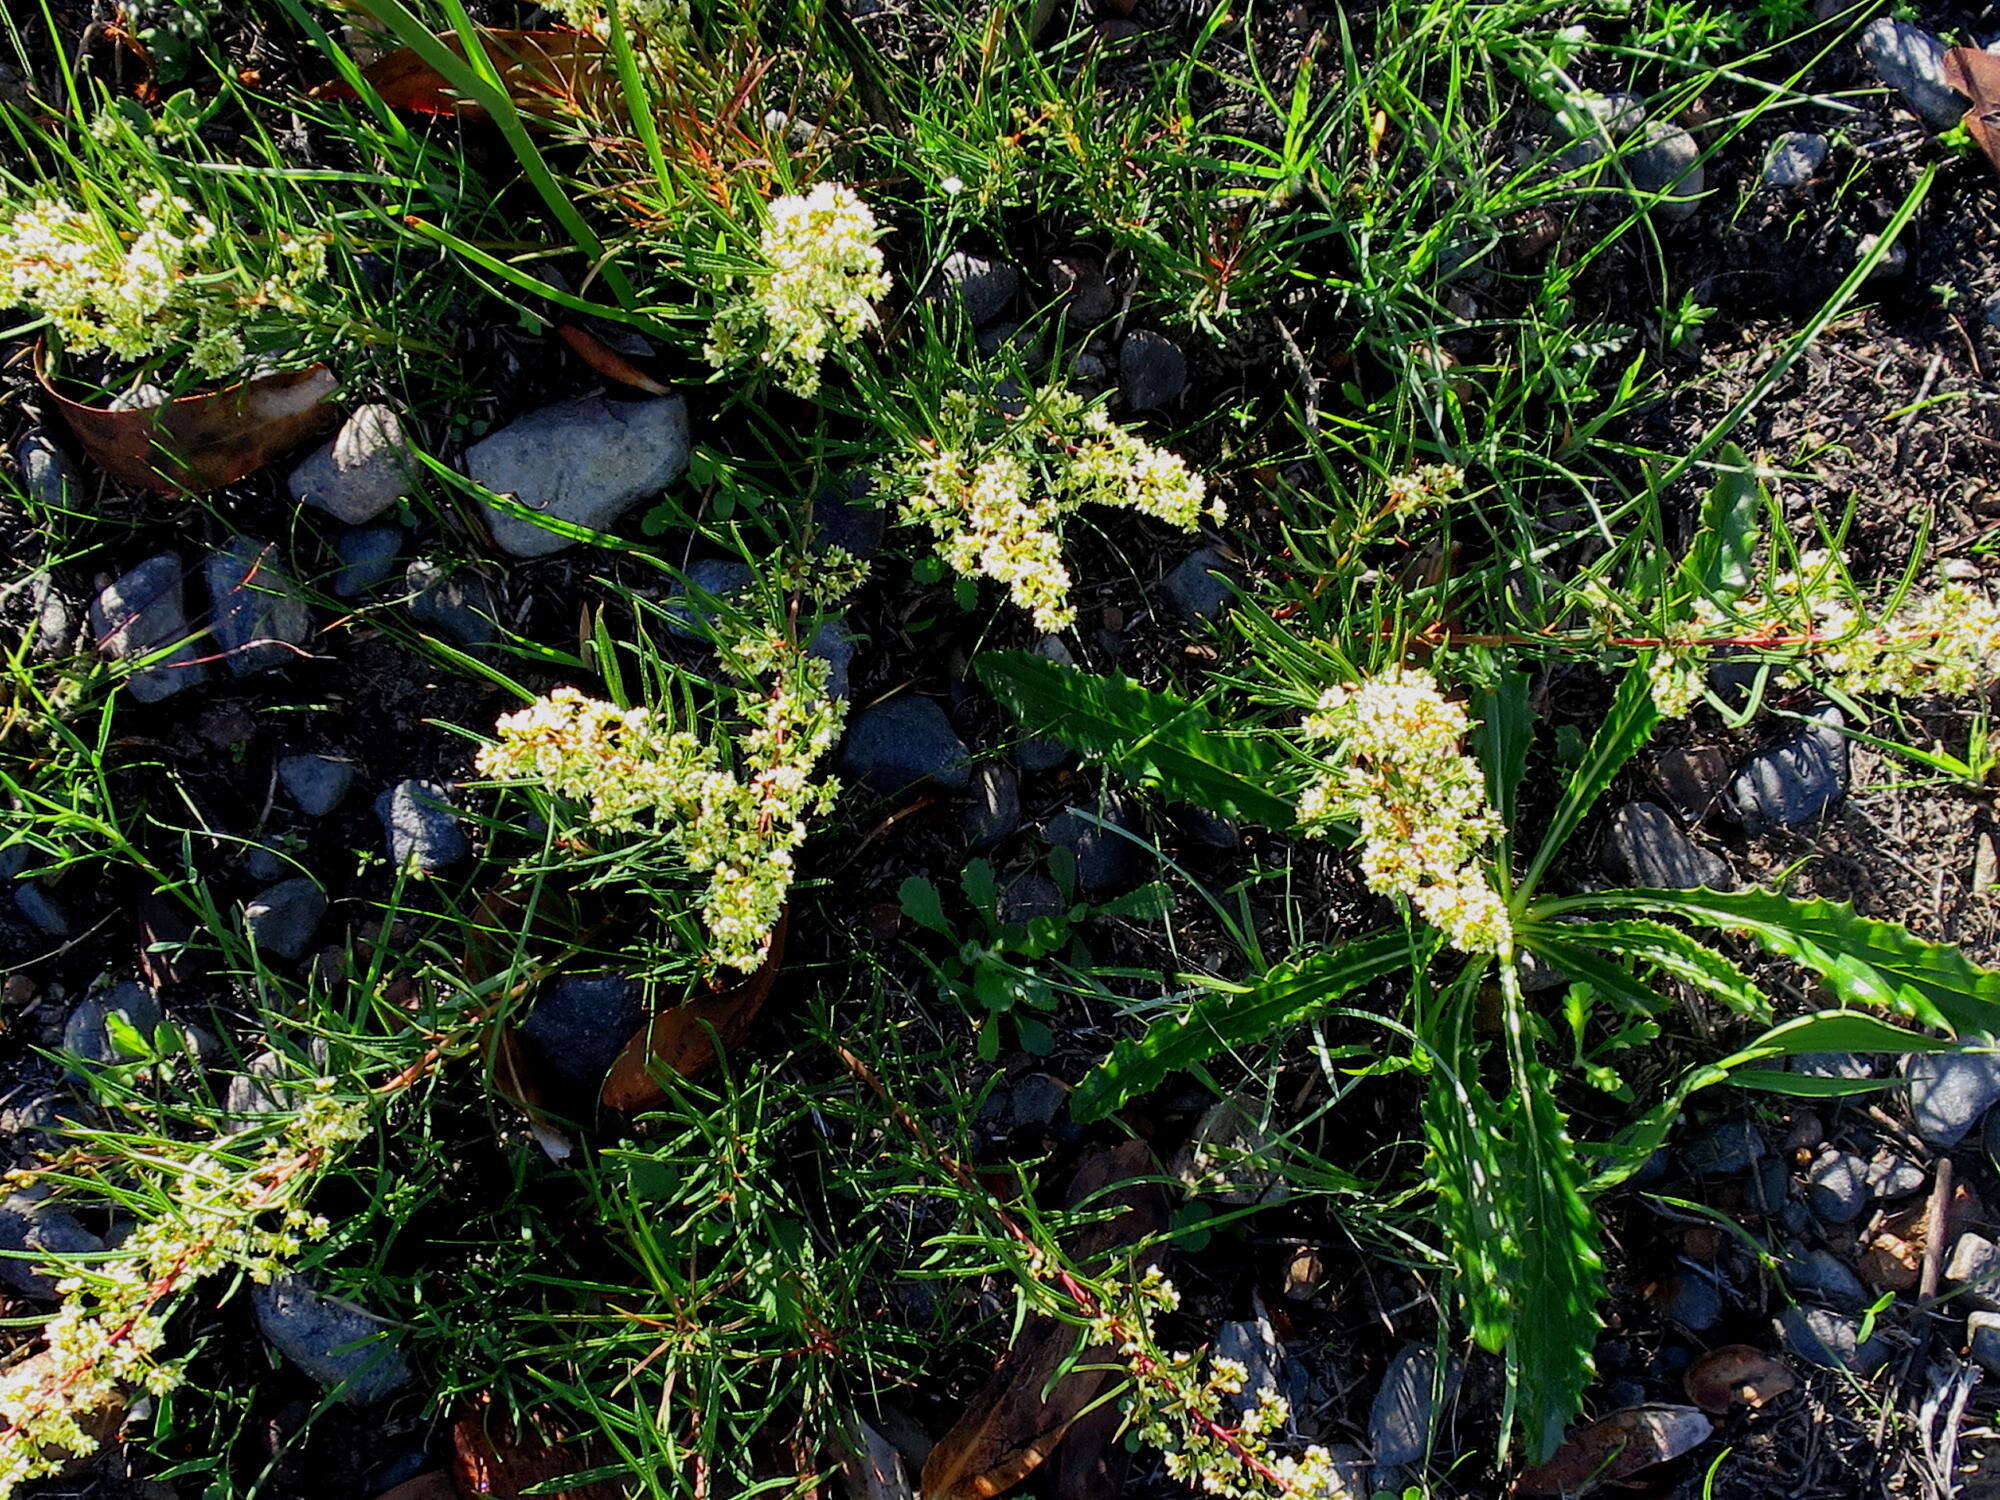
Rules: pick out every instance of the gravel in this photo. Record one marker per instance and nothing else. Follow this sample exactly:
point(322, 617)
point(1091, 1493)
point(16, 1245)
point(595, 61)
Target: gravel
point(1949, 1091)
point(259, 612)
point(586, 462)
point(367, 557)
point(1831, 1340)
point(984, 288)
point(1105, 858)
point(140, 614)
point(1667, 162)
point(1152, 371)
point(1974, 1268)
point(318, 783)
point(1794, 158)
point(710, 578)
point(842, 517)
point(835, 644)
point(1082, 293)
point(30, 1222)
point(1795, 783)
point(458, 606)
point(43, 470)
point(1200, 587)
point(366, 469)
point(1911, 61)
point(1982, 1333)
point(87, 1037)
point(283, 918)
point(580, 1024)
point(1644, 844)
point(1837, 1186)
point(1692, 1300)
point(338, 1344)
point(992, 806)
point(1726, 1149)
point(421, 827)
point(892, 745)
point(1823, 1277)
point(40, 910)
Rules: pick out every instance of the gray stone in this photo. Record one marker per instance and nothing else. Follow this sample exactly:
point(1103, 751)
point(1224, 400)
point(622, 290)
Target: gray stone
point(458, 606)
point(992, 806)
point(1973, 1271)
point(1667, 162)
point(316, 782)
point(1594, 123)
point(264, 859)
point(142, 613)
point(366, 469)
point(40, 910)
point(1837, 1186)
point(263, 1087)
point(843, 517)
point(709, 579)
point(1982, 1334)
point(1644, 844)
point(579, 1025)
point(1831, 1340)
point(1105, 858)
point(834, 644)
point(1728, 1148)
point(1894, 262)
point(1253, 1343)
point(1770, 1186)
point(1821, 1276)
point(585, 462)
point(1152, 371)
point(1086, 297)
point(982, 287)
point(283, 918)
point(258, 612)
point(367, 557)
point(1030, 896)
point(31, 1223)
point(1795, 783)
point(1893, 1175)
point(1038, 752)
point(1692, 1300)
point(87, 1035)
point(340, 1345)
point(44, 474)
point(1403, 1417)
point(1949, 1091)
point(421, 826)
point(1989, 311)
point(905, 740)
point(1203, 583)
point(1793, 159)
point(1911, 61)
point(53, 615)
point(1849, 1065)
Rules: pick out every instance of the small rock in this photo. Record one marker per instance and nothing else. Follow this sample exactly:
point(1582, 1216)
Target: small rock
point(1252, 1343)
point(1667, 162)
point(44, 474)
point(54, 627)
point(260, 1088)
point(1973, 1269)
point(30, 1222)
point(1105, 857)
point(142, 396)
point(1692, 777)
point(1795, 783)
point(905, 740)
point(1726, 1149)
point(1152, 371)
point(1038, 752)
point(1231, 1158)
point(1949, 1091)
point(1982, 1332)
point(458, 606)
point(692, 619)
point(1644, 845)
point(1404, 1414)
point(421, 826)
point(1848, 1065)
point(834, 644)
point(366, 469)
point(141, 614)
point(586, 462)
point(1085, 296)
point(316, 782)
point(1595, 122)
point(283, 918)
point(1793, 159)
point(336, 1343)
point(259, 613)
point(982, 287)
point(1894, 262)
point(264, 859)
point(86, 1034)
point(1304, 1272)
point(1989, 311)
point(39, 910)
point(1892, 1175)
point(1837, 1186)
point(842, 517)
point(367, 557)
point(1770, 1186)
point(1831, 1340)
point(1911, 61)
point(1203, 583)
point(1823, 1277)
point(992, 807)
point(1691, 1300)
point(1203, 827)
point(1030, 896)
point(580, 1024)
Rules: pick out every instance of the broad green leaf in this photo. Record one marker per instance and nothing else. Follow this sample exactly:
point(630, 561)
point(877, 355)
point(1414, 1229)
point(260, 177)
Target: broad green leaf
point(1152, 739)
point(1626, 728)
point(1500, 743)
point(1722, 562)
point(1667, 949)
point(1221, 1019)
point(1807, 1086)
point(921, 905)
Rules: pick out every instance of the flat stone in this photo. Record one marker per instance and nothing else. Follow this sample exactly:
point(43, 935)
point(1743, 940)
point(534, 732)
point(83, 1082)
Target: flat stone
point(1691, 1300)
point(258, 612)
point(338, 1344)
point(1982, 1334)
point(1252, 1343)
point(1644, 844)
point(283, 918)
point(1910, 60)
point(992, 805)
point(318, 783)
point(1038, 752)
point(54, 618)
point(458, 606)
point(1668, 162)
point(1949, 1091)
point(266, 1086)
point(709, 578)
point(1084, 295)
point(142, 613)
point(1837, 1186)
point(586, 462)
point(40, 910)
point(1152, 371)
point(1831, 1340)
point(30, 1222)
point(1202, 585)
point(1105, 858)
point(983, 287)
point(1821, 1276)
point(1403, 1416)
point(1728, 1148)
point(43, 470)
point(834, 644)
point(1973, 1270)
point(1795, 783)
point(366, 469)
point(264, 859)
point(1794, 158)
point(367, 557)
point(579, 1025)
point(421, 826)
point(892, 745)
point(87, 1037)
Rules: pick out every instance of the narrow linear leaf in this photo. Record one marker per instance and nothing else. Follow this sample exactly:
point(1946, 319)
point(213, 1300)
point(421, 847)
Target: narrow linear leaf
point(1626, 727)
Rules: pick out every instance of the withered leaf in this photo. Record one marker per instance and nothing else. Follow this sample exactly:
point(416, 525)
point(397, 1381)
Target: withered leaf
point(607, 361)
point(493, 1461)
point(546, 74)
point(1976, 74)
point(683, 1039)
point(1736, 1375)
point(1618, 1447)
point(1014, 1423)
point(205, 441)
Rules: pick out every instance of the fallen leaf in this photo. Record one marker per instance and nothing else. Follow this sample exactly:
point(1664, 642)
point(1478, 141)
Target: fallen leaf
point(607, 361)
point(206, 441)
point(1736, 1374)
point(493, 1461)
point(683, 1040)
point(435, 1485)
point(1976, 74)
point(547, 75)
point(1617, 1448)
point(1013, 1424)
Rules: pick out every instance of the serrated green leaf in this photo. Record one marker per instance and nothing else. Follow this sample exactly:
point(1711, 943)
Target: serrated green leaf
point(1627, 726)
point(1152, 739)
point(1722, 562)
point(1667, 949)
point(920, 903)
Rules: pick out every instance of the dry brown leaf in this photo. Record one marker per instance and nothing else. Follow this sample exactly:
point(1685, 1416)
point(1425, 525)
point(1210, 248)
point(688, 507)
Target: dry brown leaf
point(1976, 74)
point(1024, 1410)
point(550, 74)
point(1617, 1448)
point(607, 361)
point(491, 1462)
point(1736, 1374)
point(683, 1040)
point(206, 441)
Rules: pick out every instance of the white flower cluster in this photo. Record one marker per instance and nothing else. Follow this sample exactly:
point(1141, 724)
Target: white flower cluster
point(105, 1339)
point(1423, 487)
point(646, 18)
point(154, 293)
point(633, 772)
point(1180, 1412)
point(994, 520)
point(823, 271)
point(1400, 772)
